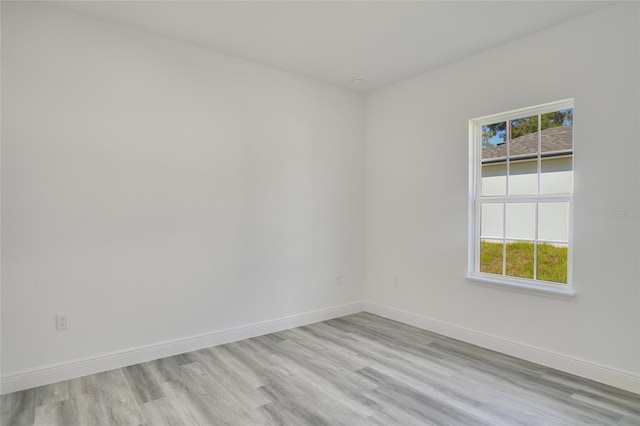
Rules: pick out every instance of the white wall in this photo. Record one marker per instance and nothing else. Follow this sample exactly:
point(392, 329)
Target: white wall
point(155, 191)
point(416, 190)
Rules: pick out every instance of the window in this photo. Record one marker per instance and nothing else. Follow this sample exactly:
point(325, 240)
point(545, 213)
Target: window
point(521, 197)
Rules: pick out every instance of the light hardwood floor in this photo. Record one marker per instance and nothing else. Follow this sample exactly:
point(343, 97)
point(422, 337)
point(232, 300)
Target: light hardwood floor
point(357, 370)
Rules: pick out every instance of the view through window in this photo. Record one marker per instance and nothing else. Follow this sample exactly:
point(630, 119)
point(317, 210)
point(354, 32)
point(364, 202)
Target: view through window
point(522, 195)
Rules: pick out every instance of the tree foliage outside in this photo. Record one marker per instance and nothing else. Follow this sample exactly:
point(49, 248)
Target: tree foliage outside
point(493, 131)
point(493, 134)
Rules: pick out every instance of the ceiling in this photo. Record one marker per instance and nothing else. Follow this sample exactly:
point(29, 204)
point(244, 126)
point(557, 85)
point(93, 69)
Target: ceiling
point(335, 42)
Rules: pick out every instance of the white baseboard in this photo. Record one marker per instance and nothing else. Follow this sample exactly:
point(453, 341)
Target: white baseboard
point(81, 367)
point(611, 376)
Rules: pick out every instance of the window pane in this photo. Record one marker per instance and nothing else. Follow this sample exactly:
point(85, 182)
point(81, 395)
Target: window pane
point(493, 138)
point(553, 221)
point(494, 179)
point(523, 177)
point(557, 152)
point(494, 152)
point(520, 259)
point(557, 175)
point(523, 140)
point(491, 221)
point(491, 256)
point(552, 262)
point(521, 221)
point(563, 117)
point(523, 126)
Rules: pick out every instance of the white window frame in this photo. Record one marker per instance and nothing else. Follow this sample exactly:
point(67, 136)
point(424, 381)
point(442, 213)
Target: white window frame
point(476, 199)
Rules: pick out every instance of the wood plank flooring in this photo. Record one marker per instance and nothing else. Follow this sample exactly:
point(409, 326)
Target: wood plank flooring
point(356, 370)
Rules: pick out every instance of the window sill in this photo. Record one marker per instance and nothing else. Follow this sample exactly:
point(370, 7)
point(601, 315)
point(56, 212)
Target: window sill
point(525, 286)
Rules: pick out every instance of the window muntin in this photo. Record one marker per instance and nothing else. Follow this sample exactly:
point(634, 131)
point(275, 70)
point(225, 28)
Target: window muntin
point(521, 196)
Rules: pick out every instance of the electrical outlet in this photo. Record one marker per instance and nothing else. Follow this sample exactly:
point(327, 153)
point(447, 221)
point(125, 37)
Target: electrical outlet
point(61, 322)
point(338, 280)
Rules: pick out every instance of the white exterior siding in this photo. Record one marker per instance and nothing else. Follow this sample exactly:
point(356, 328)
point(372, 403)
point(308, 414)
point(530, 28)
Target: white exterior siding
point(556, 178)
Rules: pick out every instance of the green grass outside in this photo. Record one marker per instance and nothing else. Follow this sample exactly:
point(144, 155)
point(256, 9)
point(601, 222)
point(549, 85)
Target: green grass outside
point(552, 260)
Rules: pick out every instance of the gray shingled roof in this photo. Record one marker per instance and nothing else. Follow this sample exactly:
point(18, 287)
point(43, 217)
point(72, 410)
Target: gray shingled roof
point(553, 140)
